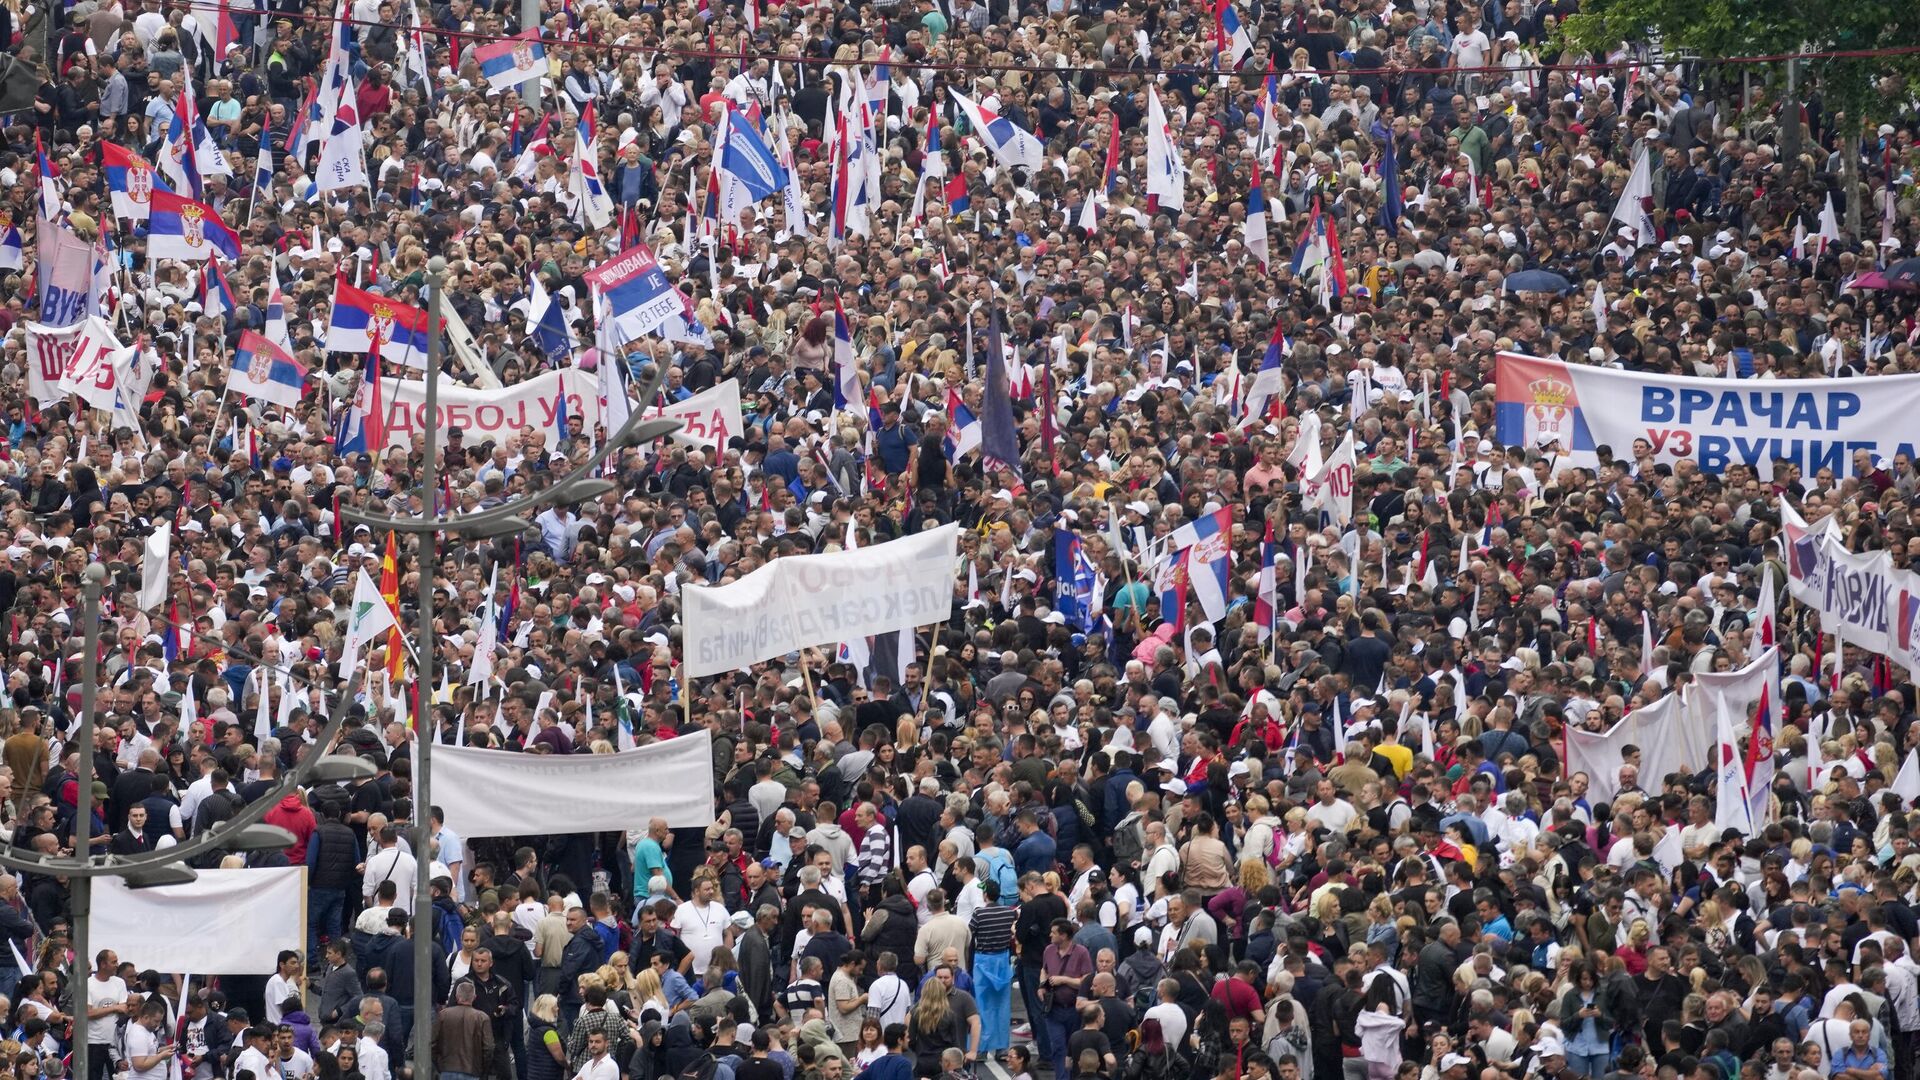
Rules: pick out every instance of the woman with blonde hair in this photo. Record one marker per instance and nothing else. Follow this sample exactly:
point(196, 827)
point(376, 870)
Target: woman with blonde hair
point(546, 1050)
point(649, 1000)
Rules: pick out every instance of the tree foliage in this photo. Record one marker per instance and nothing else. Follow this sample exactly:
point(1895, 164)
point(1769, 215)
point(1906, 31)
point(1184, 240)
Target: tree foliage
point(1863, 88)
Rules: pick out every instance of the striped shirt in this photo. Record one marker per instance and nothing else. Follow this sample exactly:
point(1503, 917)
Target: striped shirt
point(993, 928)
point(874, 851)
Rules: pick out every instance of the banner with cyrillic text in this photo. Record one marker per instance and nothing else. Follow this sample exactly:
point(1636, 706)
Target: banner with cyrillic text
point(1716, 423)
point(708, 418)
point(224, 922)
point(498, 793)
point(804, 600)
point(493, 415)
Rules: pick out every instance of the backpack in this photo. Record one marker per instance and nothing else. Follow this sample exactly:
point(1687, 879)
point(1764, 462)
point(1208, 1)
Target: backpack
point(1147, 994)
point(1129, 840)
point(1001, 869)
point(704, 1067)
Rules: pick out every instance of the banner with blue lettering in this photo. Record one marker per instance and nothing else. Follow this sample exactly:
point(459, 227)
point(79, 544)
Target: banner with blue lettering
point(1716, 423)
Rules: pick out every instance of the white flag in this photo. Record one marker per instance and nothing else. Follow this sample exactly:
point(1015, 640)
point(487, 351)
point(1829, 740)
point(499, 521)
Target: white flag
point(488, 643)
point(1166, 175)
point(1907, 783)
point(1631, 211)
point(369, 618)
point(342, 154)
point(155, 567)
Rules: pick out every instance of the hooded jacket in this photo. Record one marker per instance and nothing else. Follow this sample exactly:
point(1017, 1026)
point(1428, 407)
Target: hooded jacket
point(292, 814)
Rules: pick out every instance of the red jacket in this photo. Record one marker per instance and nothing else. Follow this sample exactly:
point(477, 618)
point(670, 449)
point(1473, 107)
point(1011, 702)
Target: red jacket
point(293, 815)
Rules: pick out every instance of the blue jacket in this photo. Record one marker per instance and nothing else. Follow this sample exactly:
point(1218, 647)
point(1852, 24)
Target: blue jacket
point(1035, 855)
point(888, 1067)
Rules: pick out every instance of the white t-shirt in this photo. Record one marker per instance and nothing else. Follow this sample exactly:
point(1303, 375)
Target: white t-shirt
point(260, 1065)
point(702, 930)
point(143, 1043)
point(279, 990)
point(102, 1030)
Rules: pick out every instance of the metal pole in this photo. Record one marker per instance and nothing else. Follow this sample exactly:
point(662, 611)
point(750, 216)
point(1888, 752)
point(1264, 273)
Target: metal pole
point(423, 722)
point(82, 885)
point(1790, 114)
point(530, 20)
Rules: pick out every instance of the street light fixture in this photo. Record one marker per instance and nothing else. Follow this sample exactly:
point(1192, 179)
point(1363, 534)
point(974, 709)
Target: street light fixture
point(262, 838)
point(157, 876)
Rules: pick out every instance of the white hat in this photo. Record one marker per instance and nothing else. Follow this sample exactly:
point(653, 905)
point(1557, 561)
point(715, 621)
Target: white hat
point(1176, 786)
point(1140, 508)
point(1513, 663)
point(1455, 1061)
point(1238, 768)
point(1549, 1047)
point(1003, 493)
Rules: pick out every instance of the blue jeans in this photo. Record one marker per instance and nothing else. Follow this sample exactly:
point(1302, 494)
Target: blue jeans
point(1036, 1012)
point(1062, 1022)
point(1591, 1066)
point(326, 916)
point(451, 1075)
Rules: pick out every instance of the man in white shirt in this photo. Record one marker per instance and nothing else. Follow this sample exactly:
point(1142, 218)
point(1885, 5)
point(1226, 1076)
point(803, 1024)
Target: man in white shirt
point(148, 1054)
point(1173, 1019)
point(599, 1065)
point(107, 1001)
point(374, 1064)
point(389, 863)
point(702, 923)
point(258, 1058)
point(283, 984)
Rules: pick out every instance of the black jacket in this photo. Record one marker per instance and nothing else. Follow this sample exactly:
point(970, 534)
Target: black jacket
point(581, 955)
point(334, 865)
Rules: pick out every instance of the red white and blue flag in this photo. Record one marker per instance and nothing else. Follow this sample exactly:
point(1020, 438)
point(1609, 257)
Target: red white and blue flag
point(358, 316)
point(179, 228)
point(1205, 543)
point(266, 372)
point(507, 63)
point(1011, 144)
point(131, 182)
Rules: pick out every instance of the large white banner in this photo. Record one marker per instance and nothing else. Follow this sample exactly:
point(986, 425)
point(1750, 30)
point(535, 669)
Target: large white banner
point(708, 418)
point(1860, 595)
point(225, 922)
point(1814, 423)
point(805, 600)
point(1738, 692)
point(87, 362)
point(50, 349)
point(1669, 738)
point(497, 793)
point(492, 415)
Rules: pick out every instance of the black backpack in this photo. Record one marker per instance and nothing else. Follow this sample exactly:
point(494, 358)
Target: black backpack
point(704, 1067)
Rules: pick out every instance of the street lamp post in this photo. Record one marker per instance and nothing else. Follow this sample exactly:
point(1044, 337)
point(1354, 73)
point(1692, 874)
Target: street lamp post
point(424, 723)
point(91, 581)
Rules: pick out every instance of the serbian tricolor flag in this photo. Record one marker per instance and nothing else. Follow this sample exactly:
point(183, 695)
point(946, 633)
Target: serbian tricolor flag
point(131, 182)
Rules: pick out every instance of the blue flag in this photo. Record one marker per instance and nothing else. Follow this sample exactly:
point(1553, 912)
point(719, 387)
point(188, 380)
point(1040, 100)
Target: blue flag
point(999, 442)
point(1392, 203)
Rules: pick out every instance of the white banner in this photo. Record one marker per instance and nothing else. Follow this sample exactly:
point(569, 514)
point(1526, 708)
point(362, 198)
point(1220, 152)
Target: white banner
point(49, 349)
point(226, 922)
point(1858, 595)
point(804, 600)
point(1739, 692)
point(492, 415)
point(497, 793)
point(1669, 737)
point(89, 372)
point(1814, 423)
point(708, 418)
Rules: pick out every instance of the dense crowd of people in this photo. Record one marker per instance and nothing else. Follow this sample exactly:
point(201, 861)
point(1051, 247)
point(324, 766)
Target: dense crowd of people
point(1339, 841)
